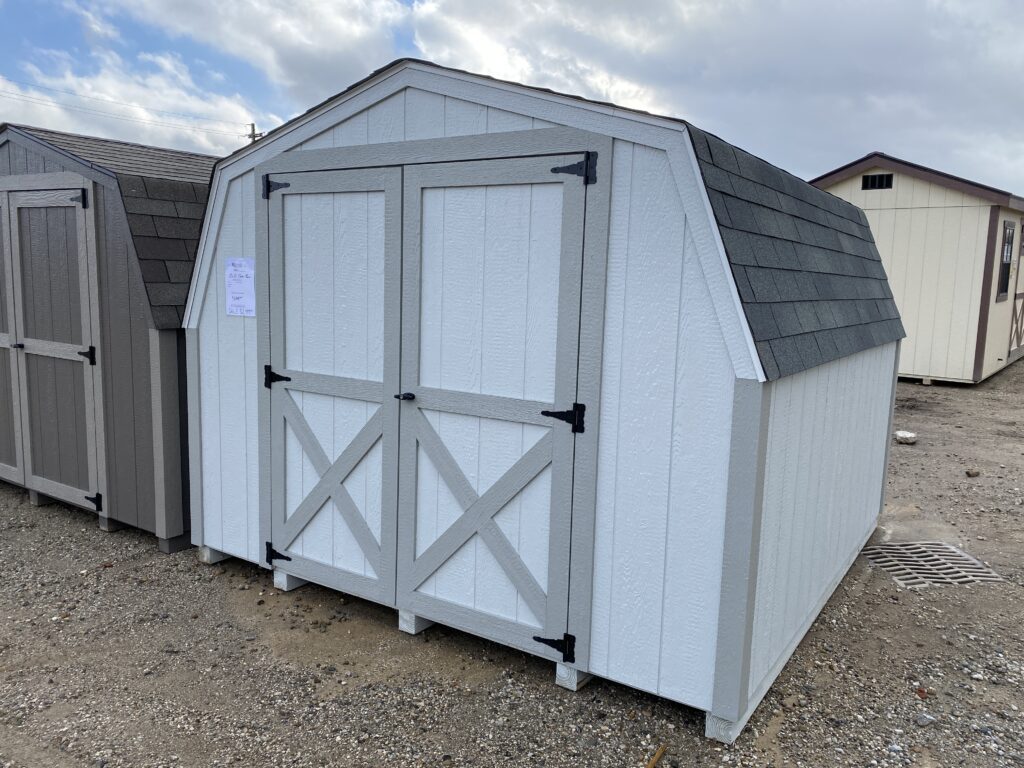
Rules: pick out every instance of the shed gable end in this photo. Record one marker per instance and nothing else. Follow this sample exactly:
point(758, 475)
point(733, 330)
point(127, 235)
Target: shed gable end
point(414, 113)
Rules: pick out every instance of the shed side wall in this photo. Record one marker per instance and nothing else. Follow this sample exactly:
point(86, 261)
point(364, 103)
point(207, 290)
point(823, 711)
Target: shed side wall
point(124, 354)
point(824, 472)
point(666, 410)
point(228, 362)
point(932, 242)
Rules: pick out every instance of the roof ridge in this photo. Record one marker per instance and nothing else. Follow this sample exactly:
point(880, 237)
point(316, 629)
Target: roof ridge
point(911, 164)
point(32, 128)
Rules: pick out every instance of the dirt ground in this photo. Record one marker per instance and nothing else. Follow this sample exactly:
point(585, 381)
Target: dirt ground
point(112, 654)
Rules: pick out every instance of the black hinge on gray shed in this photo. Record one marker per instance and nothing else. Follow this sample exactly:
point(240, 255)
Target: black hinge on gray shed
point(575, 416)
point(82, 197)
point(269, 377)
point(272, 186)
point(587, 168)
point(566, 645)
point(96, 501)
point(89, 354)
point(273, 554)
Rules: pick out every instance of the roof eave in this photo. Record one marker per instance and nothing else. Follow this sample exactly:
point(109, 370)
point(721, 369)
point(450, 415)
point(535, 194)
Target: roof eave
point(922, 172)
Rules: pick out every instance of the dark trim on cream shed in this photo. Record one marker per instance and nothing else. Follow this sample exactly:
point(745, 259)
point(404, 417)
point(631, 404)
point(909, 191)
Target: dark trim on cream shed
point(986, 292)
point(924, 173)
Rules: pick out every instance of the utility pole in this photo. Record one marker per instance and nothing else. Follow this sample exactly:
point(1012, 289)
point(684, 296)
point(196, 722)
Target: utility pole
point(252, 135)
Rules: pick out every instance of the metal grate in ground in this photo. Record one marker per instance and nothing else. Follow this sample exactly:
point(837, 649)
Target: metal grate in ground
point(915, 564)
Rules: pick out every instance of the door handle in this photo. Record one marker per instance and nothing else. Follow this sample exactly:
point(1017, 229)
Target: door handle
point(405, 396)
point(18, 345)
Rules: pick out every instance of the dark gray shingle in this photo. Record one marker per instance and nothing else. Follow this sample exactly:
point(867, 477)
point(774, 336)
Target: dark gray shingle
point(806, 267)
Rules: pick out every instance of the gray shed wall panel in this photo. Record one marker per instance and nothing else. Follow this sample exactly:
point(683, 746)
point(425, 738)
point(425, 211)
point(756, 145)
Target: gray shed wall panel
point(124, 332)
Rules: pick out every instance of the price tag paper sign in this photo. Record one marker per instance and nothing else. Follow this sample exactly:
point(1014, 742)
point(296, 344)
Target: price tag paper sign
point(240, 287)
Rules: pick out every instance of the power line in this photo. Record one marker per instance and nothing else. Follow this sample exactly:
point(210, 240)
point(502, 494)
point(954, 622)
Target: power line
point(119, 103)
point(62, 105)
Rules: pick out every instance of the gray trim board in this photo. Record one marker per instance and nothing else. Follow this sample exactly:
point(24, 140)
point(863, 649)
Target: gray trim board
point(732, 703)
point(167, 477)
point(195, 456)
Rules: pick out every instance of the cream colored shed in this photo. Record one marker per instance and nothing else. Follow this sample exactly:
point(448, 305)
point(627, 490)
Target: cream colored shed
point(952, 249)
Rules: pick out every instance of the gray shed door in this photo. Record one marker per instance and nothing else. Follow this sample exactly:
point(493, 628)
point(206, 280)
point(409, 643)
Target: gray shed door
point(423, 319)
point(335, 266)
point(49, 247)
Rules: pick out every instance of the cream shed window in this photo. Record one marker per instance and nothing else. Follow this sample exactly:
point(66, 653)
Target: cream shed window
point(1006, 261)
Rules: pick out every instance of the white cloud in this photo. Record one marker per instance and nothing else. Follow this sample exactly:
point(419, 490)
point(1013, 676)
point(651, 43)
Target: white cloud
point(807, 84)
point(108, 102)
point(310, 49)
point(95, 26)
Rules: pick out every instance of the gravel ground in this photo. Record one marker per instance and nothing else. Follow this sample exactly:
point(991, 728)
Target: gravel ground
point(112, 654)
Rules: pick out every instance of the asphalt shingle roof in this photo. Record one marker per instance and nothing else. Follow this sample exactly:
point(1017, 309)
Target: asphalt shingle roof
point(164, 192)
point(808, 273)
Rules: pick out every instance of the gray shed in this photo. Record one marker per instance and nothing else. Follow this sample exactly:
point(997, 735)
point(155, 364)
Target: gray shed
point(98, 241)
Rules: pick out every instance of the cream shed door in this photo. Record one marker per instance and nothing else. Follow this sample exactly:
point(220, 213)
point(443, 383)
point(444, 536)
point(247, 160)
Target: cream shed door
point(492, 266)
point(50, 248)
point(334, 293)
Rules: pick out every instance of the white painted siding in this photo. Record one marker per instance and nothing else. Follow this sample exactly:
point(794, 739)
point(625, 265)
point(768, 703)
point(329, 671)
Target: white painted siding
point(664, 445)
point(229, 377)
point(825, 464)
point(416, 114)
point(932, 241)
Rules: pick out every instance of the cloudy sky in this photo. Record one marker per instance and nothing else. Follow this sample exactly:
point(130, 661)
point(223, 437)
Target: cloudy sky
point(806, 84)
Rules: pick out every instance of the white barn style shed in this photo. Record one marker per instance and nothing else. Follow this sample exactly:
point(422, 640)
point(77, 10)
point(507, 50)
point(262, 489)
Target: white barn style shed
point(582, 380)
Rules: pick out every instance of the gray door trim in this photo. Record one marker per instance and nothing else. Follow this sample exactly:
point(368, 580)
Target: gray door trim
point(12, 473)
point(489, 146)
point(556, 448)
point(39, 193)
point(279, 407)
point(588, 391)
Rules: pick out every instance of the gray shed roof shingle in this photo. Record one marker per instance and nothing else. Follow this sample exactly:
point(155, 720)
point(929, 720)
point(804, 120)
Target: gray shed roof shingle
point(164, 192)
point(809, 276)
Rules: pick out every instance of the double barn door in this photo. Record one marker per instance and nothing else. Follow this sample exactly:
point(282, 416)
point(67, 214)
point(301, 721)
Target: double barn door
point(424, 348)
point(48, 374)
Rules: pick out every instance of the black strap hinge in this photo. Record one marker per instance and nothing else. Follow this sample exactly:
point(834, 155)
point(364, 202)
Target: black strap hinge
point(82, 197)
point(89, 354)
point(96, 501)
point(269, 377)
point(273, 554)
point(587, 168)
point(566, 645)
point(270, 185)
point(575, 417)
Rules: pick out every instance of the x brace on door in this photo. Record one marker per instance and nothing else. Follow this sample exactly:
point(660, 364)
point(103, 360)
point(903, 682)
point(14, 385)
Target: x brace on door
point(478, 514)
point(330, 487)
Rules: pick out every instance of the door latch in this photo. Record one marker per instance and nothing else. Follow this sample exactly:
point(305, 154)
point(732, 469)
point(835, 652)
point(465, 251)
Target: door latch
point(17, 345)
point(405, 396)
point(89, 354)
